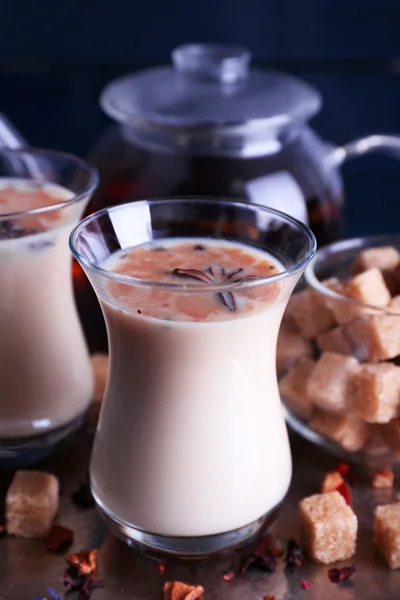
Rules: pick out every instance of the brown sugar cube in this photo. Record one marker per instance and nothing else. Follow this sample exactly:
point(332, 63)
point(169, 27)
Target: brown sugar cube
point(176, 590)
point(293, 388)
point(383, 479)
point(374, 392)
point(291, 346)
point(328, 528)
point(309, 310)
point(331, 482)
point(375, 337)
point(367, 288)
point(31, 504)
point(387, 533)
point(382, 257)
point(327, 385)
point(336, 340)
point(100, 372)
point(346, 430)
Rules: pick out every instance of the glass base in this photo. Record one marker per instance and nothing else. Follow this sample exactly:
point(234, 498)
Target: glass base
point(26, 451)
point(158, 546)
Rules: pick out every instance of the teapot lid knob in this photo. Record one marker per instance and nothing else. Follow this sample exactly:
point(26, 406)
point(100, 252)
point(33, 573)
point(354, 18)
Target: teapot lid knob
point(225, 63)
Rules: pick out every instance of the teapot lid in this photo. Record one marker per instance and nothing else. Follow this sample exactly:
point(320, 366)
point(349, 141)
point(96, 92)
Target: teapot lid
point(209, 87)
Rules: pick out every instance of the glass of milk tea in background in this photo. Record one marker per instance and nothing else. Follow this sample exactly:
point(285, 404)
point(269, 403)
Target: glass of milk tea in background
point(45, 374)
point(191, 454)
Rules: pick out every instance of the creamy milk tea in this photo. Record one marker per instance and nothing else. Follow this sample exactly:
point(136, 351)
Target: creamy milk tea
point(44, 365)
point(191, 439)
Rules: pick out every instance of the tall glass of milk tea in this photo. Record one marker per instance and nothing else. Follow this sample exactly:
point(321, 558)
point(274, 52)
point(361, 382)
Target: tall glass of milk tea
point(191, 454)
point(45, 373)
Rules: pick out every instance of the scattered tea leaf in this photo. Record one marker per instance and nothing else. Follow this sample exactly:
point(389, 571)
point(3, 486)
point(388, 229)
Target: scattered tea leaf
point(340, 575)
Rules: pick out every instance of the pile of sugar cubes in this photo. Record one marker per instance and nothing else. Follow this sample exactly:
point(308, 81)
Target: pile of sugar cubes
point(338, 360)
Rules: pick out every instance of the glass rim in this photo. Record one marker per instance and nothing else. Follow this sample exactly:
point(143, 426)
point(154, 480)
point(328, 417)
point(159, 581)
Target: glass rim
point(189, 287)
point(357, 243)
point(48, 153)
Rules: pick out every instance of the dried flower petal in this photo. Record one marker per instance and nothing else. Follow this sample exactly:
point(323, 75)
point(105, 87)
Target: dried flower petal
point(305, 584)
point(294, 554)
point(269, 597)
point(331, 482)
point(263, 562)
point(84, 562)
point(345, 490)
point(88, 586)
point(343, 468)
point(383, 479)
point(58, 538)
point(160, 567)
point(228, 575)
point(83, 497)
point(177, 590)
point(340, 575)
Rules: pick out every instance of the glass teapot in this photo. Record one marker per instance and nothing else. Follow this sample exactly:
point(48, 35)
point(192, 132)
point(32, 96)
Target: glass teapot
point(211, 125)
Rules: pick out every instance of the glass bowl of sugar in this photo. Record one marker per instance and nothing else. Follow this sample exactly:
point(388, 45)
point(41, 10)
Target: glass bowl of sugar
point(338, 355)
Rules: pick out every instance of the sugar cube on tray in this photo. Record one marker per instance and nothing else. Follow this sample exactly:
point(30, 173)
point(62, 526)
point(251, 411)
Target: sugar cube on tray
point(328, 528)
point(387, 533)
point(31, 504)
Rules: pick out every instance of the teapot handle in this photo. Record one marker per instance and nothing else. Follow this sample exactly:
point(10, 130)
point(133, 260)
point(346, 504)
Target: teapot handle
point(390, 144)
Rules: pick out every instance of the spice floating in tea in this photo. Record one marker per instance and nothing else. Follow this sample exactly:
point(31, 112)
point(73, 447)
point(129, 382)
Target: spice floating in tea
point(11, 230)
point(217, 276)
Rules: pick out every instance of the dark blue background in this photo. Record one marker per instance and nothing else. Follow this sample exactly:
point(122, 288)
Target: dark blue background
point(55, 56)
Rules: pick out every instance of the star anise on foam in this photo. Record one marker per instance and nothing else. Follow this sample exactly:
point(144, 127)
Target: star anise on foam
point(217, 276)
